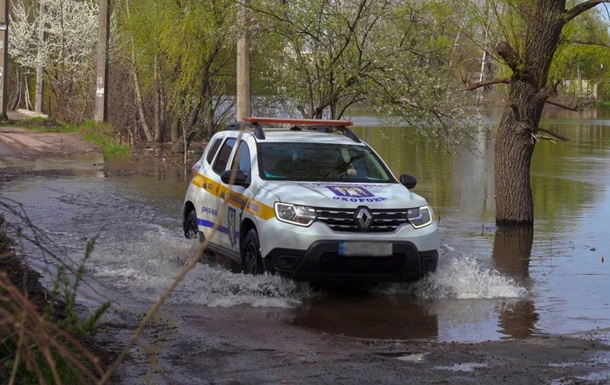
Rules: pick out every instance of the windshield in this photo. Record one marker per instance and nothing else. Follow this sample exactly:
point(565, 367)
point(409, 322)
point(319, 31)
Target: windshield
point(321, 162)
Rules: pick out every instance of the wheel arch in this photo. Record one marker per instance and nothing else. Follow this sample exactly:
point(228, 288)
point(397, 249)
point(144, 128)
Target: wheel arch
point(188, 207)
point(246, 225)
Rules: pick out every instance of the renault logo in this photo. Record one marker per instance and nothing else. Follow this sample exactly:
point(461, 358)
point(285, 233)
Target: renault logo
point(363, 218)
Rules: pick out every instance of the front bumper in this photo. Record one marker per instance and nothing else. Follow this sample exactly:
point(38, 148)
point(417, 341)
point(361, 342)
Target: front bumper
point(322, 262)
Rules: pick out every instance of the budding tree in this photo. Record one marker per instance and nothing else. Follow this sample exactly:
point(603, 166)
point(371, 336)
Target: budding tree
point(59, 36)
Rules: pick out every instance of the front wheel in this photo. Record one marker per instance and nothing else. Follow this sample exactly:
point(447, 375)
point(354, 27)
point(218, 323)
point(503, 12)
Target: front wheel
point(191, 229)
point(251, 260)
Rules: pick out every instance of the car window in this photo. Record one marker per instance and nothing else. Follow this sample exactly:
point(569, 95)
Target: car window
point(223, 155)
point(321, 162)
point(210, 156)
point(242, 160)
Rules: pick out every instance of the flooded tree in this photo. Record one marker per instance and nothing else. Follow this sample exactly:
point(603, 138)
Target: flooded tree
point(533, 34)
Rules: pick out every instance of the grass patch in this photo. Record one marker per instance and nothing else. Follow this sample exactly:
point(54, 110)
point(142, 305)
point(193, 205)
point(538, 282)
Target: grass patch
point(101, 135)
point(98, 134)
point(108, 145)
point(603, 104)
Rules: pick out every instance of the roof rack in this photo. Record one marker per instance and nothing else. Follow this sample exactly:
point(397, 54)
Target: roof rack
point(258, 130)
point(320, 125)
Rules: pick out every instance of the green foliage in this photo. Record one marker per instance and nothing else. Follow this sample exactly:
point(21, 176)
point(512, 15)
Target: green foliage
point(322, 57)
point(584, 52)
point(67, 373)
point(183, 53)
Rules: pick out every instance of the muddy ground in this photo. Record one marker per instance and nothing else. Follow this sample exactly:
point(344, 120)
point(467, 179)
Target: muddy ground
point(244, 345)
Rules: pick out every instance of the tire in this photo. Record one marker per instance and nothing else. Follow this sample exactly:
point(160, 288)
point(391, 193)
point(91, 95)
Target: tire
point(251, 260)
point(191, 229)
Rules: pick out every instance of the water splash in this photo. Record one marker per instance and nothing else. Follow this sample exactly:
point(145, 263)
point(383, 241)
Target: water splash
point(147, 266)
point(461, 278)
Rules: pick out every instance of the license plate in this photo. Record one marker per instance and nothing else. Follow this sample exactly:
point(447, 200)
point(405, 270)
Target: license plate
point(365, 249)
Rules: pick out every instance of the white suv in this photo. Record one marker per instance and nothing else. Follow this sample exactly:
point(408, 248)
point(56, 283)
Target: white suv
point(309, 204)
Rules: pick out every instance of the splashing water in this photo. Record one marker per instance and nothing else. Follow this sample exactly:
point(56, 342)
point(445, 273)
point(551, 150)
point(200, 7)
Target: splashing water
point(461, 278)
point(147, 266)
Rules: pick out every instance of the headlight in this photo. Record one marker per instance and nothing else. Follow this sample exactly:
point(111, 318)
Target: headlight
point(295, 214)
point(420, 217)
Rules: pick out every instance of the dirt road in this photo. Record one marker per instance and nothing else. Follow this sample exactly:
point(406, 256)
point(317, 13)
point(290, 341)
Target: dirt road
point(19, 143)
point(244, 345)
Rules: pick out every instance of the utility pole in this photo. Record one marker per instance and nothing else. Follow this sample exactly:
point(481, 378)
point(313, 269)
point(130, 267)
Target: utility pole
point(101, 82)
point(3, 59)
point(243, 63)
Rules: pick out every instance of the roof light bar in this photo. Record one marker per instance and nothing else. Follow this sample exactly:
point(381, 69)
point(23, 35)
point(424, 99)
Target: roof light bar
point(317, 122)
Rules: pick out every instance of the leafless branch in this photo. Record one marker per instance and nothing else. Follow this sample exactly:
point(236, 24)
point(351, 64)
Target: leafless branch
point(486, 83)
point(583, 42)
point(582, 7)
point(553, 134)
point(571, 106)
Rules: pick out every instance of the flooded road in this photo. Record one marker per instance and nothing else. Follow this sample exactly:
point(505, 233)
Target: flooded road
point(491, 284)
point(140, 249)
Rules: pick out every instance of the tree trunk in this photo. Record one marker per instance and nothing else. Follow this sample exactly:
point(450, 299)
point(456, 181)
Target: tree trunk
point(157, 103)
point(139, 103)
point(516, 140)
point(38, 101)
point(138, 93)
point(175, 128)
point(514, 148)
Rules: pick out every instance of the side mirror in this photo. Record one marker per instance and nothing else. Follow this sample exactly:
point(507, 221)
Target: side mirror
point(240, 177)
point(408, 181)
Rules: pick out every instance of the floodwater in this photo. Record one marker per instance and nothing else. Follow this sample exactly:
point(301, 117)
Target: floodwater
point(492, 283)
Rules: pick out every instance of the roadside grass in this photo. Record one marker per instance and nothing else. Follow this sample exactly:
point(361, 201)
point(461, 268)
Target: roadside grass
point(42, 337)
point(101, 135)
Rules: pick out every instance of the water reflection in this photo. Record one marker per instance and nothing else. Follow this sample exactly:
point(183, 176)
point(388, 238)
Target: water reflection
point(512, 250)
point(369, 316)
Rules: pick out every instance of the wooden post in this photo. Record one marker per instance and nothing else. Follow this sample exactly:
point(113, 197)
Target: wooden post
point(101, 82)
point(3, 58)
point(243, 64)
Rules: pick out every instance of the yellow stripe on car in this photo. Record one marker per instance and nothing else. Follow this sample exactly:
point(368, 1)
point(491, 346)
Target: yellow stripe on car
point(252, 206)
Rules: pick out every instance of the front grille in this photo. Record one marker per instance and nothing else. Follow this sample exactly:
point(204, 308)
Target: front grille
point(384, 220)
point(333, 263)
